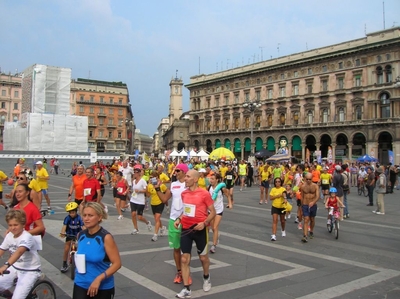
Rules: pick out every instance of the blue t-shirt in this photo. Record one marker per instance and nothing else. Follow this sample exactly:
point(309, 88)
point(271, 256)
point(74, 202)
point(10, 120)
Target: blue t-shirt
point(74, 225)
point(97, 261)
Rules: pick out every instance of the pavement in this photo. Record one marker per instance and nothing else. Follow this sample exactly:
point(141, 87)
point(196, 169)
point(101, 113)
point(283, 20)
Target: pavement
point(363, 263)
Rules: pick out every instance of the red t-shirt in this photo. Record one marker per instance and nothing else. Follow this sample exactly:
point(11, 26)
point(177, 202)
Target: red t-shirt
point(332, 202)
point(32, 214)
point(121, 187)
point(90, 187)
point(195, 206)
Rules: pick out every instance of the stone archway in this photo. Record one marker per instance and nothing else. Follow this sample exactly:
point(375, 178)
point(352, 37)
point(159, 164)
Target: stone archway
point(310, 148)
point(196, 145)
point(209, 146)
point(326, 142)
point(181, 146)
point(341, 150)
point(359, 145)
point(385, 141)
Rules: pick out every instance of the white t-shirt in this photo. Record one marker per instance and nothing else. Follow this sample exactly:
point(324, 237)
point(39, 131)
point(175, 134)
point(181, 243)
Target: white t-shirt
point(219, 202)
point(138, 198)
point(176, 206)
point(127, 173)
point(30, 259)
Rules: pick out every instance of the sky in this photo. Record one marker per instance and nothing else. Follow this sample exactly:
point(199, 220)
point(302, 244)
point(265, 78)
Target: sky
point(144, 43)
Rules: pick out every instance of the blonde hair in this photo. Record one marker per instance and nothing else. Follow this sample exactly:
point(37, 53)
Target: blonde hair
point(18, 215)
point(98, 208)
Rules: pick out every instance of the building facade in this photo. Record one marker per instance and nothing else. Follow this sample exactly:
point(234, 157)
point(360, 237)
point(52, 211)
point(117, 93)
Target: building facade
point(340, 101)
point(143, 142)
point(10, 100)
point(158, 136)
point(106, 104)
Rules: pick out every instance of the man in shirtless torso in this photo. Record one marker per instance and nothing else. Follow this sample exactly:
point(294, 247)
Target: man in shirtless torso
point(309, 198)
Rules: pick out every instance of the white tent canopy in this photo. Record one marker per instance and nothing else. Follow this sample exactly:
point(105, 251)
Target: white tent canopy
point(202, 154)
point(174, 154)
point(183, 153)
point(192, 153)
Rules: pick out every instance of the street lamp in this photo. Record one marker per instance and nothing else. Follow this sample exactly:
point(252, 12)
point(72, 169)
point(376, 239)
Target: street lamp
point(397, 82)
point(251, 106)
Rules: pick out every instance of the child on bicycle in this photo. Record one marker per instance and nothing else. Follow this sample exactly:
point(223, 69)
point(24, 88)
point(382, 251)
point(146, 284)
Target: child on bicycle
point(23, 262)
point(333, 201)
point(72, 225)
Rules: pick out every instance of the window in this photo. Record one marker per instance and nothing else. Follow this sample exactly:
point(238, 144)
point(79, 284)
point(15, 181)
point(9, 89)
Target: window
point(357, 81)
point(90, 134)
point(111, 100)
point(325, 116)
point(217, 102)
point(91, 110)
point(270, 94)
point(110, 121)
point(217, 125)
point(282, 91)
point(247, 122)
point(387, 56)
point(226, 123)
point(208, 104)
point(236, 123)
point(16, 94)
point(15, 106)
point(324, 85)
point(237, 98)
point(324, 68)
point(310, 117)
point(101, 110)
point(341, 114)
point(247, 83)
point(358, 113)
point(296, 118)
point(379, 75)
point(296, 89)
point(269, 78)
point(358, 62)
point(340, 83)
point(100, 134)
point(309, 88)
point(111, 111)
point(258, 95)
point(296, 74)
point(282, 76)
point(119, 134)
point(101, 121)
point(3, 105)
point(110, 134)
point(81, 97)
point(120, 121)
point(236, 85)
point(81, 109)
point(91, 99)
point(101, 99)
point(119, 101)
point(340, 65)
point(378, 58)
point(388, 73)
point(269, 120)
point(282, 119)
point(385, 105)
point(91, 120)
point(15, 117)
point(226, 100)
point(309, 71)
point(258, 121)
point(208, 125)
point(3, 93)
point(247, 97)
point(120, 112)
point(2, 120)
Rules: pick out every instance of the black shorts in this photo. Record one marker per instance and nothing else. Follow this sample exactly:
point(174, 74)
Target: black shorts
point(325, 187)
point(114, 192)
point(78, 201)
point(279, 211)
point(158, 209)
point(1, 194)
point(135, 207)
point(101, 294)
point(200, 237)
point(229, 186)
point(265, 184)
point(102, 191)
point(298, 202)
point(67, 239)
point(120, 196)
point(220, 214)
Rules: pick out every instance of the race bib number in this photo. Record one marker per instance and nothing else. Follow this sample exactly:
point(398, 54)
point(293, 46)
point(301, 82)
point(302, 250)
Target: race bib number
point(325, 182)
point(189, 210)
point(134, 194)
point(87, 191)
point(229, 177)
point(119, 189)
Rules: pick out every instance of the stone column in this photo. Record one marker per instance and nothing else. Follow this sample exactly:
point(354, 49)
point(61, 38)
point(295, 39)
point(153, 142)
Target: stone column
point(333, 145)
point(396, 152)
point(303, 151)
point(350, 154)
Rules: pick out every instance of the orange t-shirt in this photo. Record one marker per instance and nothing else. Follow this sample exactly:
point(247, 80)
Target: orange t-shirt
point(315, 176)
point(78, 185)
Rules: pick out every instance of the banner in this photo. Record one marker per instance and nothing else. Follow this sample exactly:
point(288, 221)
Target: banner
point(391, 157)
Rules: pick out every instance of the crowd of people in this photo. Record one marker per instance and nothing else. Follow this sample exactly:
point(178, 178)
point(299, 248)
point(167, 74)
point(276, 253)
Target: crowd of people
point(192, 193)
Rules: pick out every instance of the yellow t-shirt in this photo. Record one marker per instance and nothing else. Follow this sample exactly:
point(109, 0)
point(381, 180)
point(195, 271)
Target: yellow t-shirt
point(163, 177)
point(287, 180)
point(154, 198)
point(264, 174)
point(222, 171)
point(202, 183)
point(3, 176)
point(170, 167)
point(42, 182)
point(33, 184)
point(242, 169)
point(325, 178)
point(319, 167)
point(277, 202)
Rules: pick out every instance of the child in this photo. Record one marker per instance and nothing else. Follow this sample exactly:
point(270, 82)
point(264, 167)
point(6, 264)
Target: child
point(23, 256)
point(72, 225)
point(332, 201)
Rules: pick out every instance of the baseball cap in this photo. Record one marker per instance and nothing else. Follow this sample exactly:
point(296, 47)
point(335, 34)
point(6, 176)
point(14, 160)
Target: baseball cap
point(202, 170)
point(138, 166)
point(182, 167)
point(39, 163)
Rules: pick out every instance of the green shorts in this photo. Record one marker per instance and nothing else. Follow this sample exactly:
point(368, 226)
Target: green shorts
point(174, 235)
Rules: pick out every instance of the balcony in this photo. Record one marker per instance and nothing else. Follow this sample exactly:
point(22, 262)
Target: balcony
point(101, 138)
point(92, 125)
point(111, 126)
point(101, 114)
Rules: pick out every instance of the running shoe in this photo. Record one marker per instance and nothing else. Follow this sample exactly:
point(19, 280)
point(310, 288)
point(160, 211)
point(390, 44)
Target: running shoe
point(304, 239)
point(289, 215)
point(162, 231)
point(185, 293)
point(120, 217)
point(380, 213)
point(207, 284)
point(300, 226)
point(154, 238)
point(348, 215)
point(122, 209)
point(149, 226)
point(134, 232)
point(283, 233)
point(106, 209)
point(213, 248)
point(297, 220)
point(311, 235)
point(178, 278)
point(64, 268)
point(273, 238)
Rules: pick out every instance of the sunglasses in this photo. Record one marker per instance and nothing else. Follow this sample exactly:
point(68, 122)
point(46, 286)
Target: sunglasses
point(137, 171)
point(177, 170)
point(20, 178)
point(308, 179)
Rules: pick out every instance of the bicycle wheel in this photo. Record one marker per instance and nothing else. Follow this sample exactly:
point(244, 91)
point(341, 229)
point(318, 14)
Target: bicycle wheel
point(360, 191)
point(329, 227)
point(72, 266)
point(365, 192)
point(42, 289)
point(336, 229)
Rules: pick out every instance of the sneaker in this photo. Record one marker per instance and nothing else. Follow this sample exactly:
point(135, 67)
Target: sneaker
point(241, 189)
point(273, 238)
point(297, 220)
point(149, 226)
point(213, 248)
point(123, 210)
point(380, 213)
point(49, 209)
point(134, 232)
point(64, 268)
point(154, 238)
point(178, 278)
point(304, 239)
point(311, 235)
point(207, 284)
point(289, 215)
point(185, 293)
point(260, 203)
point(374, 212)
point(106, 209)
point(348, 215)
point(162, 231)
point(283, 233)
point(344, 216)
point(120, 217)
point(300, 226)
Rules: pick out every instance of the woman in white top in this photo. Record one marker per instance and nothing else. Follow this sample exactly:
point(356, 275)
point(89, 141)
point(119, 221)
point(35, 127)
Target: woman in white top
point(218, 198)
point(138, 199)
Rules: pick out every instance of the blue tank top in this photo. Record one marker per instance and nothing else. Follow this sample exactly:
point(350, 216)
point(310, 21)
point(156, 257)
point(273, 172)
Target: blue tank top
point(97, 261)
point(74, 225)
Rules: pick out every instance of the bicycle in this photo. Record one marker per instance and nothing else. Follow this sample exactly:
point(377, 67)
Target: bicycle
point(334, 223)
point(362, 189)
point(71, 254)
point(42, 289)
